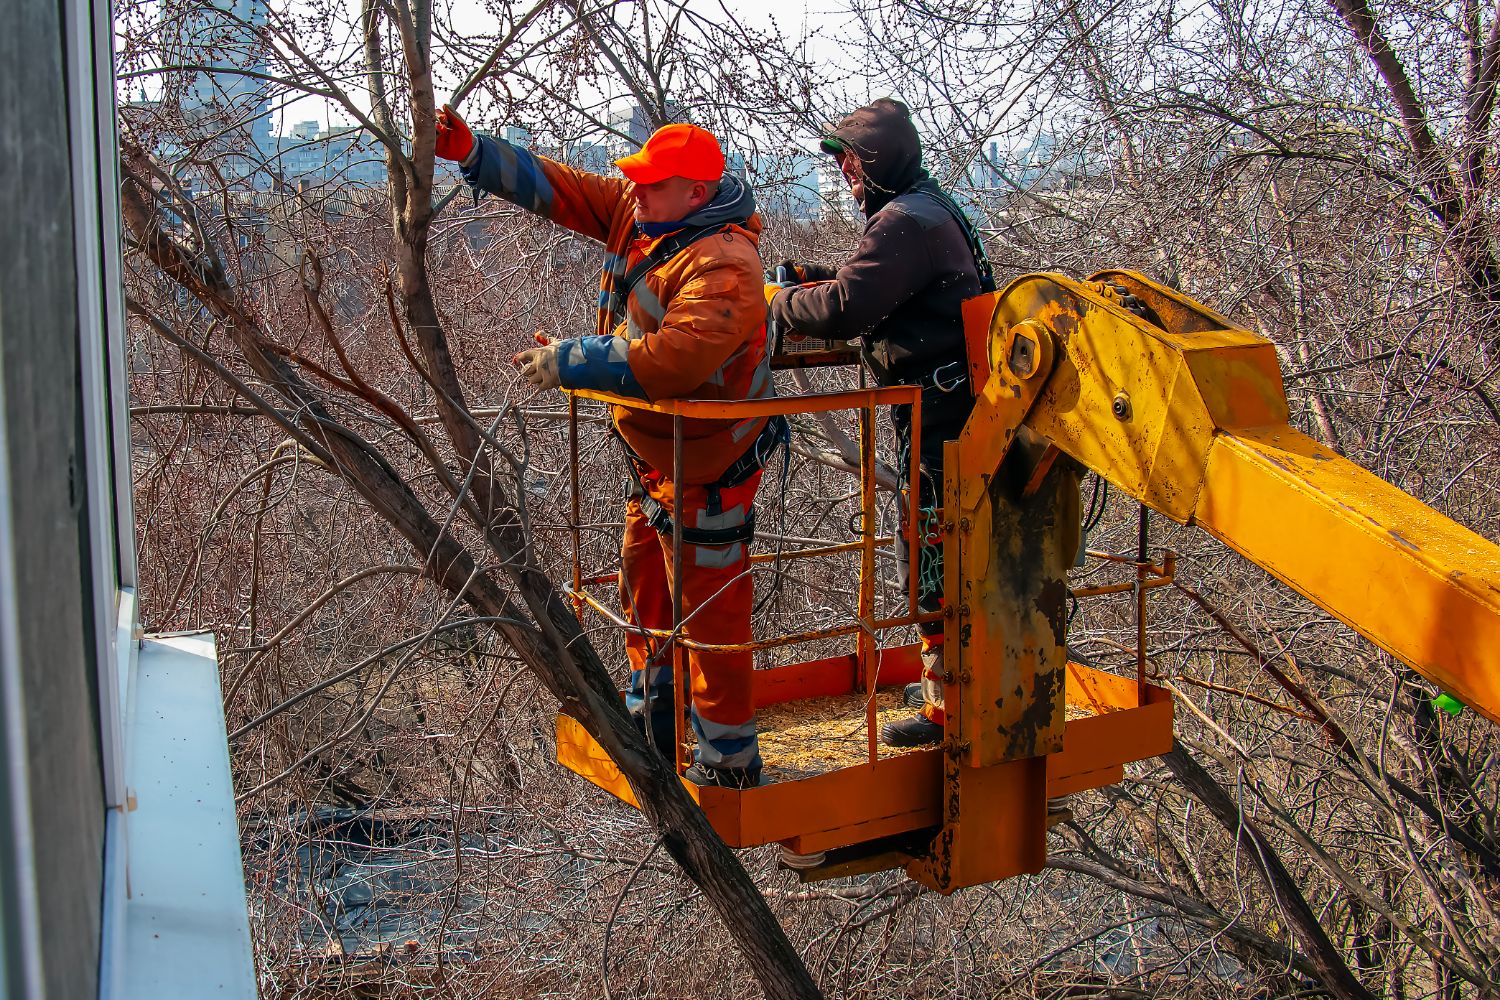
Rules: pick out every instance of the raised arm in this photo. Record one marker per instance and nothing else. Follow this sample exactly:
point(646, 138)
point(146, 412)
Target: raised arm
point(586, 203)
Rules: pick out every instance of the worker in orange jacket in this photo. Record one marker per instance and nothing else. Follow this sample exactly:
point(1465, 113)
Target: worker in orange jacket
point(681, 314)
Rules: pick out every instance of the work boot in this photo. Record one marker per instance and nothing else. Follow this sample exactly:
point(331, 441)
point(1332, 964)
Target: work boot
point(911, 696)
point(917, 731)
point(1059, 810)
point(723, 777)
point(662, 733)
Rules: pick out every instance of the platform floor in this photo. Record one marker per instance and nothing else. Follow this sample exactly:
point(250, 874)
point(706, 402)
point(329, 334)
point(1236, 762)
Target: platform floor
point(799, 739)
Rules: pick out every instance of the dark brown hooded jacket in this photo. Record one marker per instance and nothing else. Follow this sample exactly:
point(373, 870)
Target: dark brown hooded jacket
point(901, 291)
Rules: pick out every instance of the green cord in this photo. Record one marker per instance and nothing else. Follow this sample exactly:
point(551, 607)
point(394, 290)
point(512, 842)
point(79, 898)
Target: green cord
point(929, 554)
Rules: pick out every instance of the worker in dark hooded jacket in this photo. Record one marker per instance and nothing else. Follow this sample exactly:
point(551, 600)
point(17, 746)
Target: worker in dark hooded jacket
point(901, 295)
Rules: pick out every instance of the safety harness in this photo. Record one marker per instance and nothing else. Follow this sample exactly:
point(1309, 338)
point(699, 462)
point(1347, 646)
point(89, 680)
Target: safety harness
point(949, 376)
point(981, 260)
point(666, 248)
point(775, 433)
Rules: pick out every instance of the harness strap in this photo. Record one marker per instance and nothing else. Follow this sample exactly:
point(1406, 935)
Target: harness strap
point(667, 248)
point(971, 234)
point(658, 518)
point(776, 433)
point(943, 377)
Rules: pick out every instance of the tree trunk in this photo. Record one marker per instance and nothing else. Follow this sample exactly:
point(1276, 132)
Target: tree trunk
point(1321, 953)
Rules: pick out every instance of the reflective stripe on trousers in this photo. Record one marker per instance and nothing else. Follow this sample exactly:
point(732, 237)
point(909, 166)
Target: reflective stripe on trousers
point(717, 597)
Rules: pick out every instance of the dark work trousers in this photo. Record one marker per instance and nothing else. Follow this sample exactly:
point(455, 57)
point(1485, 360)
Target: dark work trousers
point(943, 417)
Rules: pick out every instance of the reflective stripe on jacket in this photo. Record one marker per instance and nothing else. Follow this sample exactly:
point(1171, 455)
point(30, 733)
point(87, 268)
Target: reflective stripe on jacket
point(693, 328)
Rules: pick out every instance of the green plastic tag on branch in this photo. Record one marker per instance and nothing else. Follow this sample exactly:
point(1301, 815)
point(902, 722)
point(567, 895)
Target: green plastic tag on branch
point(1449, 704)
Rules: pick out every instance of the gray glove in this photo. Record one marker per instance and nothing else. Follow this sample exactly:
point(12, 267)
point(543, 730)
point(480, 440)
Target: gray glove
point(539, 366)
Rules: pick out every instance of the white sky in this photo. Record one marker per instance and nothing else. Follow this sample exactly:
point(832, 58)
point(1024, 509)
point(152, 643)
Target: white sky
point(791, 17)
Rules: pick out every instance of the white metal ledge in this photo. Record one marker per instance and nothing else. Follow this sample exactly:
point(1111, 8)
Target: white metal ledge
point(187, 928)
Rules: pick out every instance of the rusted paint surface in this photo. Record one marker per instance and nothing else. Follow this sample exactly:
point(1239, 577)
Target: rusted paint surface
point(1000, 831)
point(1011, 570)
point(1180, 313)
point(1041, 717)
point(1052, 602)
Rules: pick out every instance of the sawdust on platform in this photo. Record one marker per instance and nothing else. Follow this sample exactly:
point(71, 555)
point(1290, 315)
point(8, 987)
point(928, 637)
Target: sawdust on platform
point(802, 738)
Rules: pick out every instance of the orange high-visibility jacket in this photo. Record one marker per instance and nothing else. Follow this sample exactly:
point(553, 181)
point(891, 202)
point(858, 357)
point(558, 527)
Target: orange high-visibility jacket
point(693, 328)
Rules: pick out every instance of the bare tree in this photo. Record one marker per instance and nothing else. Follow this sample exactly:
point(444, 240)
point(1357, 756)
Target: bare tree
point(1319, 172)
point(445, 488)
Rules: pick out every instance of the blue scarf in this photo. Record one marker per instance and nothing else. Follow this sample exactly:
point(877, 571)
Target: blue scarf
point(659, 229)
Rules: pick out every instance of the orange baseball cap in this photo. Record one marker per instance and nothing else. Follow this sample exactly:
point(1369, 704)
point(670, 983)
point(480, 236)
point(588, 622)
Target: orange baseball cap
point(675, 151)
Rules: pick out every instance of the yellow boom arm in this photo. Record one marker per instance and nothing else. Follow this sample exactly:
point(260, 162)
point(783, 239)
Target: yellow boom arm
point(1190, 417)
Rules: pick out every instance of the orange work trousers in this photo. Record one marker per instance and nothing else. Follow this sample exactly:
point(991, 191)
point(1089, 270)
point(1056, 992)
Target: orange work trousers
point(717, 598)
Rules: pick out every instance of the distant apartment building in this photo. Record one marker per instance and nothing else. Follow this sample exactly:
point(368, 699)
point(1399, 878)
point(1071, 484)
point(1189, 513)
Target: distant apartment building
point(328, 156)
point(214, 85)
point(833, 192)
point(595, 157)
point(1047, 162)
point(986, 173)
point(632, 125)
point(221, 34)
point(785, 184)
